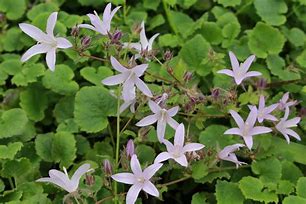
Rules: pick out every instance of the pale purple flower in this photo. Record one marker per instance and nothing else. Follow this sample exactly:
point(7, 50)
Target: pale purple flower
point(139, 179)
point(246, 129)
point(47, 42)
point(284, 125)
point(129, 78)
point(283, 104)
point(144, 44)
point(107, 167)
point(130, 103)
point(240, 72)
point(178, 150)
point(227, 154)
point(62, 179)
point(130, 148)
point(101, 26)
point(263, 113)
point(162, 116)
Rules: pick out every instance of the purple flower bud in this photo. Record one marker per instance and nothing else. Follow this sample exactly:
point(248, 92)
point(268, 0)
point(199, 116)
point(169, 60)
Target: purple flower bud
point(107, 167)
point(137, 29)
point(75, 31)
point(215, 93)
point(117, 36)
point(187, 76)
point(130, 149)
point(168, 55)
point(261, 83)
point(170, 70)
point(90, 180)
point(85, 41)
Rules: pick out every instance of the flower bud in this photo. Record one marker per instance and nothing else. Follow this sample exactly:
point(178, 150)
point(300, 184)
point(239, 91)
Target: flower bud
point(215, 93)
point(90, 180)
point(261, 83)
point(170, 70)
point(107, 167)
point(168, 55)
point(2, 17)
point(302, 112)
point(137, 29)
point(187, 76)
point(85, 41)
point(117, 36)
point(130, 149)
point(75, 31)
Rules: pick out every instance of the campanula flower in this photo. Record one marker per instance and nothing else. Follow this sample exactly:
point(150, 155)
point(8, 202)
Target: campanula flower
point(246, 129)
point(240, 72)
point(101, 26)
point(284, 125)
point(263, 113)
point(130, 148)
point(47, 42)
point(162, 117)
point(227, 154)
point(284, 103)
point(177, 150)
point(62, 179)
point(140, 180)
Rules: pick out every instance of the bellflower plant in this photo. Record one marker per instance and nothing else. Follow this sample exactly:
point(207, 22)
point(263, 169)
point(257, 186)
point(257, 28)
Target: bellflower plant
point(62, 179)
point(240, 72)
point(284, 126)
point(227, 154)
point(101, 26)
point(283, 103)
point(177, 150)
point(140, 180)
point(47, 42)
point(263, 113)
point(246, 129)
point(162, 117)
point(130, 78)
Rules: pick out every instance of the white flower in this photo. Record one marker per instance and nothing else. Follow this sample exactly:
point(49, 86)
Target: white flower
point(240, 72)
point(98, 25)
point(62, 179)
point(162, 116)
point(178, 150)
point(47, 43)
point(144, 44)
point(284, 125)
point(228, 154)
point(263, 113)
point(139, 179)
point(283, 104)
point(129, 78)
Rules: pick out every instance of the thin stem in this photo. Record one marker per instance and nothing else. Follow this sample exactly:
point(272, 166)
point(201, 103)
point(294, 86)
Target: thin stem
point(117, 144)
point(108, 198)
point(203, 115)
point(111, 134)
point(92, 57)
point(76, 200)
point(175, 181)
point(11, 183)
point(127, 123)
point(160, 78)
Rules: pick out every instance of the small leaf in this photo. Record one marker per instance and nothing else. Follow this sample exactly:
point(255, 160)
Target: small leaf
point(300, 187)
point(199, 198)
point(169, 40)
point(94, 75)
point(9, 151)
point(146, 154)
point(16, 168)
point(13, 9)
point(294, 200)
point(28, 74)
point(212, 33)
point(270, 170)
point(12, 122)
point(271, 11)
point(37, 9)
point(227, 3)
point(43, 146)
point(228, 193)
point(277, 66)
point(213, 136)
point(199, 170)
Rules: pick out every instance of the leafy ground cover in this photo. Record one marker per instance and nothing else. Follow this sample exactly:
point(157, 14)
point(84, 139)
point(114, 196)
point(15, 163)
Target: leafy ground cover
point(186, 101)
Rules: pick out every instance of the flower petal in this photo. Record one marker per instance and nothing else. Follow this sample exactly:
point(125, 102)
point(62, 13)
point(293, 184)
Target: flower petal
point(51, 58)
point(248, 141)
point(140, 69)
point(117, 66)
point(234, 61)
point(34, 50)
point(155, 108)
point(135, 165)
point(143, 38)
point(182, 160)
point(151, 170)
point(252, 117)
point(51, 23)
point(55, 181)
point(260, 130)
point(293, 122)
point(114, 80)
point(228, 72)
point(233, 131)
point(150, 43)
point(161, 128)
point(128, 90)
point(63, 43)
point(192, 147)
point(239, 121)
point(148, 120)
point(33, 32)
point(150, 189)
point(173, 111)
point(143, 87)
point(252, 74)
point(179, 136)
point(162, 157)
point(136, 46)
point(127, 178)
point(172, 122)
point(247, 63)
point(133, 193)
point(75, 179)
point(293, 134)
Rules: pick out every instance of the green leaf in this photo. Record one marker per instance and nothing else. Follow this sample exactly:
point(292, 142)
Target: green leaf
point(12, 122)
point(92, 106)
point(11, 66)
point(199, 198)
point(43, 146)
point(13, 9)
point(13, 40)
point(34, 101)
point(28, 74)
point(64, 148)
point(60, 81)
point(252, 188)
point(48, 7)
point(93, 3)
point(9, 151)
point(271, 11)
point(300, 187)
point(64, 109)
point(212, 33)
point(199, 170)
point(145, 153)
point(149, 4)
point(230, 31)
point(301, 59)
point(285, 187)
point(156, 21)
point(265, 40)
point(213, 136)
point(277, 66)
point(227, 3)
point(169, 40)
point(193, 52)
point(181, 23)
point(228, 193)
point(269, 170)
point(290, 172)
point(296, 36)
point(294, 200)
point(16, 168)
point(96, 75)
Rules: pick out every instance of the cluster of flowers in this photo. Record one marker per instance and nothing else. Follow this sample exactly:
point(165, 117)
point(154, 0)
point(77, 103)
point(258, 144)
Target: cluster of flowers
point(129, 77)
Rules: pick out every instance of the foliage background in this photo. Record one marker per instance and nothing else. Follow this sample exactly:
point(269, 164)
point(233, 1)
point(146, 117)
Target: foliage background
point(50, 120)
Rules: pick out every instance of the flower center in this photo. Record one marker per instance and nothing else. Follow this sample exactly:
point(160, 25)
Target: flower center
point(246, 129)
point(176, 151)
point(141, 179)
point(163, 113)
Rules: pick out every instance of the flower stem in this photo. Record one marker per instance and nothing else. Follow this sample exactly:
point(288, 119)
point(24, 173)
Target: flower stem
point(117, 144)
point(76, 200)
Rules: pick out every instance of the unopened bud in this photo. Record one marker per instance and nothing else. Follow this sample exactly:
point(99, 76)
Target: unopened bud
point(215, 93)
point(75, 31)
point(137, 29)
point(261, 83)
point(130, 149)
point(168, 55)
point(85, 41)
point(302, 112)
point(187, 76)
point(90, 180)
point(170, 70)
point(2, 17)
point(117, 36)
point(107, 167)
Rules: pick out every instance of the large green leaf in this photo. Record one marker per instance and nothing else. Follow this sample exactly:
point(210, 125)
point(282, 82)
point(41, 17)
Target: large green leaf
point(12, 122)
point(271, 11)
point(228, 193)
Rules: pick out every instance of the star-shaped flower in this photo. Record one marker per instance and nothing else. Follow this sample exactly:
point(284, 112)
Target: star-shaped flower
point(240, 72)
point(162, 116)
point(129, 78)
point(246, 129)
point(284, 125)
point(263, 113)
point(101, 26)
point(178, 150)
point(283, 104)
point(228, 154)
point(139, 179)
point(47, 43)
point(144, 45)
point(62, 179)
